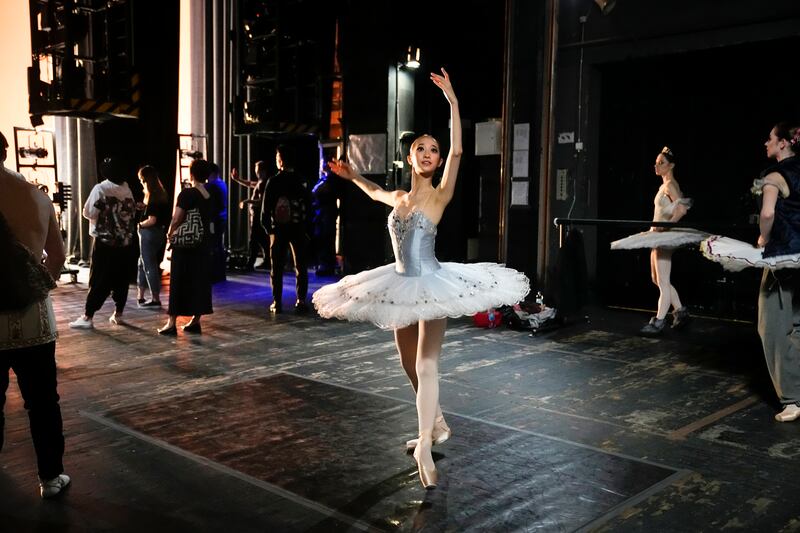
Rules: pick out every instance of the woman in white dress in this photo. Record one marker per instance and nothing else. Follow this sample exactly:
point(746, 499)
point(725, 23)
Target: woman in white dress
point(415, 295)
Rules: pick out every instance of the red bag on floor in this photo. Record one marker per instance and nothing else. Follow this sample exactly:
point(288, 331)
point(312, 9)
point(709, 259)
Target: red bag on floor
point(488, 319)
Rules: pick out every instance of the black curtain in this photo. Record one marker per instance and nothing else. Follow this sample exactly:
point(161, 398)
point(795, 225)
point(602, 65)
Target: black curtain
point(151, 139)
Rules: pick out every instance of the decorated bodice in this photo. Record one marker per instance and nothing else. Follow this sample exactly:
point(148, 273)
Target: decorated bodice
point(413, 243)
point(664, 207)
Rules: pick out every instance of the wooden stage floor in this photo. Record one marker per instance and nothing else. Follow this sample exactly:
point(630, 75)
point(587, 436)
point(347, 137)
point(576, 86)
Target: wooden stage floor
point(292, 423)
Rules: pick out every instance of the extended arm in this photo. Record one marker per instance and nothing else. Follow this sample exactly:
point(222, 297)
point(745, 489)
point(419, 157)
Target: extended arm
point(246, 183)
point(371, 189)
point(448, 183)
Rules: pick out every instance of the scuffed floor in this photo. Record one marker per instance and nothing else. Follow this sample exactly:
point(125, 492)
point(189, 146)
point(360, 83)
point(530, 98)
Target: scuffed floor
point(298, 424)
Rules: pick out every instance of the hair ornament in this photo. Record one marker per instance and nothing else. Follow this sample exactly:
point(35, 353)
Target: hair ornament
point(796, 137)
point(666, 150)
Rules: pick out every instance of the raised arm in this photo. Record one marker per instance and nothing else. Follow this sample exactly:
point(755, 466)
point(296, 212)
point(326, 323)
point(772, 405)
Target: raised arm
point(447, 186)
point(371, 189)
point(235, 177)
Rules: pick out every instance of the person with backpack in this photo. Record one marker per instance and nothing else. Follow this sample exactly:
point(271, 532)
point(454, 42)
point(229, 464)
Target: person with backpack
point(111, 211)
point(284, 215)
point(28, 227)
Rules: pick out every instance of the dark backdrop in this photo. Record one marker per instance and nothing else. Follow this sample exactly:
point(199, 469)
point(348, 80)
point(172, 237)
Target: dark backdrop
point(715, 109)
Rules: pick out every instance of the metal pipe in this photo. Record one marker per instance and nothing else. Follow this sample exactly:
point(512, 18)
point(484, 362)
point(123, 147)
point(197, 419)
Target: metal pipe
point(548, 115)
point(505, 153)
point(559, 222)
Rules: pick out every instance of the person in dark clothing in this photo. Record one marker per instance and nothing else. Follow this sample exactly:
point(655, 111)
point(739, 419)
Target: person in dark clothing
point(258, 236)
point(284, 215)
point(190, 274)
point(152, 237)
point(219, 204)
point(324, 212)
point(779, 225)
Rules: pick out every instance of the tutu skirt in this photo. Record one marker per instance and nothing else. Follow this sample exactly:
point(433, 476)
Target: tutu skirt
point(735, 255)
point(390, 300)
point(674, 238)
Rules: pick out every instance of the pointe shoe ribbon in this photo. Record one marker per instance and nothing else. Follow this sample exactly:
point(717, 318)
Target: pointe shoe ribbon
point(441, 432)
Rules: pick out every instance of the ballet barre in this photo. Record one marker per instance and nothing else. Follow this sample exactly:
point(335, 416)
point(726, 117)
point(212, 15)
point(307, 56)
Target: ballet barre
point(644, 224)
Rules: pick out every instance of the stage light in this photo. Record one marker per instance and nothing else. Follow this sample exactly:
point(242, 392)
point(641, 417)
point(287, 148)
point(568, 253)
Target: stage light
point(33, 153)
point(190, 154)
point(606, 5)
point(412, 61)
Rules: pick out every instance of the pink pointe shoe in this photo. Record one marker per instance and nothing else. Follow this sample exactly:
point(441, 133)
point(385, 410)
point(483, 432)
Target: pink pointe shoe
point(428, 475)
point(441, 432)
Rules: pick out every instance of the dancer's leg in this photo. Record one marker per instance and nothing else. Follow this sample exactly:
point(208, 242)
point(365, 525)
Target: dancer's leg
point(653, 268)
point(675, 300)
point(429, 347)
point(431, 335)
point(663, 268)
point(406, 340)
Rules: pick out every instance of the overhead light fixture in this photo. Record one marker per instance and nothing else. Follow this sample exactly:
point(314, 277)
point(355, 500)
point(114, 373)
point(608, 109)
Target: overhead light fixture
point(606, 5)
point(412, 60)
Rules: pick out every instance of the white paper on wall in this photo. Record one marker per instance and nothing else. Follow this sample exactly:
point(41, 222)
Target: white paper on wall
point(487, 137)
point(519, 192)
point(519, 168)
point(522, 136)
point(367, 153)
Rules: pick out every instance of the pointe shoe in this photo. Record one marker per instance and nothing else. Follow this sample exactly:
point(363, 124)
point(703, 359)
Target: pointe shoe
point(441, 432)
point(429, 477)
point(790, 413)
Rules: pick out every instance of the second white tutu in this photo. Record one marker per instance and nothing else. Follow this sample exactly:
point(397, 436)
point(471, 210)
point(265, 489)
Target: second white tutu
point(735, 255)
point(673, 238)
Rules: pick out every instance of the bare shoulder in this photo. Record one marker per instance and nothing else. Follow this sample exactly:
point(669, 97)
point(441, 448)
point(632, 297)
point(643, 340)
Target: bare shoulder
point(673, 190)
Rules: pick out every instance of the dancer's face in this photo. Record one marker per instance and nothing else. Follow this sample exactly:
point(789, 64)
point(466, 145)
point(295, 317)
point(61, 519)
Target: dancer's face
point(774, 145)
point(425, 157)
point(662, 166)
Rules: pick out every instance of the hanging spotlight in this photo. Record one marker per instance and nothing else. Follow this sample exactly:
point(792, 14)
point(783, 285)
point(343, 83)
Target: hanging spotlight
point(412, 61)
point(606, 5)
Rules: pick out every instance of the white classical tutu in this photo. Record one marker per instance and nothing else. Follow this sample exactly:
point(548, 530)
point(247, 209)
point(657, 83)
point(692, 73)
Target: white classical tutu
point(735, 255)
point(389, 300)
point(673, 238)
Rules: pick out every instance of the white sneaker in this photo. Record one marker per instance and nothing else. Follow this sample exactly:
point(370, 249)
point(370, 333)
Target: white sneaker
point(790, 413)
point(82, 323)
point(116, 319)
point(53, 487)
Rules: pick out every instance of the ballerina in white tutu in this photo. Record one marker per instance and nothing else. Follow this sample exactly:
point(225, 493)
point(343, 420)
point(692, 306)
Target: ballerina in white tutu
point(415, 295)
point(670, 206)
point(778, 252)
